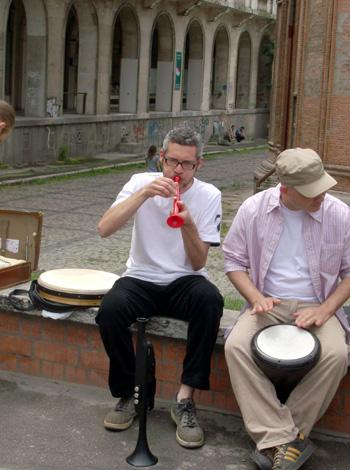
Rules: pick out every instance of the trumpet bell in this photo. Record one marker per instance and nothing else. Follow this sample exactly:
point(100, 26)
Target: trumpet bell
point(175, 221)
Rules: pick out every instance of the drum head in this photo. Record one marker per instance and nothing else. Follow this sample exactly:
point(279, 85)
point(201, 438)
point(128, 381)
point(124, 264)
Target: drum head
point(285, 342)
point(75, 286)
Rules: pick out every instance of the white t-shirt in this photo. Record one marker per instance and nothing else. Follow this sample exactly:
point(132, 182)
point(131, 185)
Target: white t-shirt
point(288, 276)
point(157, 252)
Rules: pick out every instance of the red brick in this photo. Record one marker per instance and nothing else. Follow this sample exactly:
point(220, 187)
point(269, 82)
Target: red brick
point(15, 345)
point(204, 398)
point(9, 322)
point(167, 390)
point(52, 370)
point(77, 334)
point(168, 373)
point(157, 344)
point(53, 330)
point(93, 360)
point(220, 363)
point(56, 353)
point(231, 403)
point(335, 406)
point(95, 341)
point(220, 400)
point(97, 378)
point(220, 382)
point(29, 365)
point(8, 362)
point(76, 375)
point(31, 327)
point(335, 423)
point(347, 404)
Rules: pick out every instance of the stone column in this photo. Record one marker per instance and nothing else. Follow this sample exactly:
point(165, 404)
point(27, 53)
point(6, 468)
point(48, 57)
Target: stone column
point(56, 14)
point(145, 45)
point(104, 54)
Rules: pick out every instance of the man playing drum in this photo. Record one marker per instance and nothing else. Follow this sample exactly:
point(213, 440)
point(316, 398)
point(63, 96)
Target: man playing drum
point(165, 276)
point(288, 253)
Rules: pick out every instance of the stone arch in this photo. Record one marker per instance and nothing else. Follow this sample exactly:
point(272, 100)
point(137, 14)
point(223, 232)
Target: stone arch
point(161, 65)
point(220, 68)
point(193, 67)
point(243, 70)
point(264, 72)
point(125, 61)
point(84, 53)
point(25, 56)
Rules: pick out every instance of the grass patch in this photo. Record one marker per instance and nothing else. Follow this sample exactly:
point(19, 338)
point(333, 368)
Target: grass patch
point(73, 176)
point(233, 303)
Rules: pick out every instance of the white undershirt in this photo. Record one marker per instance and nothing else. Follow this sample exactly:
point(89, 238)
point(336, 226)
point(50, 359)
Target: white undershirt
point(288, 276)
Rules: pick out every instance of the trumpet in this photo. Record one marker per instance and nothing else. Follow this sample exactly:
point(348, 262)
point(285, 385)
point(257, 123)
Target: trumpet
point(174, 220)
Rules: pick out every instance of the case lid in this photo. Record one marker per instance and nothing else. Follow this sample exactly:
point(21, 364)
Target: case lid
point(20, 235)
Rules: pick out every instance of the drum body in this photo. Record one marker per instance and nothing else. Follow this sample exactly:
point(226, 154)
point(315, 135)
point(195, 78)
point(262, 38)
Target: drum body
point(285, 353)
point(76, 287)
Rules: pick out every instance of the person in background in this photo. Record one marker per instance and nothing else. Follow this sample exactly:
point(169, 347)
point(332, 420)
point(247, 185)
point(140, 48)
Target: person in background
point(7, 119)
point(165, 276)
point(239, 134)
point(288, 253)
point(152, 159)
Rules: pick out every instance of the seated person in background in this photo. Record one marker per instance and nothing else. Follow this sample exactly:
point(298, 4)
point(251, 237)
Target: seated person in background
point(165, 276)
point(152, 159)
point(239, 134)
point(288, 253)
point(7, 119)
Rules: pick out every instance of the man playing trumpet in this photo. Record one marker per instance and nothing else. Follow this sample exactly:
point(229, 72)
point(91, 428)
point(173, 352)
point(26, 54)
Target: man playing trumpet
point(165, 276)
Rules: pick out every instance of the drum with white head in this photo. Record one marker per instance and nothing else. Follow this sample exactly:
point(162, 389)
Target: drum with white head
point(285, 353)
point(78, 287)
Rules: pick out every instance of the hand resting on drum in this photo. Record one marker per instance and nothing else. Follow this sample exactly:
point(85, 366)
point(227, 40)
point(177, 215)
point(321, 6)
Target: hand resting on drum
point(264, 304)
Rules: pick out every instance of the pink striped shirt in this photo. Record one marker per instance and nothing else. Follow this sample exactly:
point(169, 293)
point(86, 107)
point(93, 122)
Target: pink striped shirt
point(256, 230)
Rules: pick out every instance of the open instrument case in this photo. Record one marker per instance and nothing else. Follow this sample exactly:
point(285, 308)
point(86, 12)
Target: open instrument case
point(20, 238)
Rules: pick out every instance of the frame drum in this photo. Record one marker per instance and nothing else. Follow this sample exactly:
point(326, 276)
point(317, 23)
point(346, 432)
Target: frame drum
point(79, 287)
point(285, 353)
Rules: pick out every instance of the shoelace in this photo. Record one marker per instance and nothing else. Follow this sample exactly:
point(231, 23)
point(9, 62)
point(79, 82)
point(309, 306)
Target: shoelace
point(188, 418)
point(123, 404)
point(280, 452)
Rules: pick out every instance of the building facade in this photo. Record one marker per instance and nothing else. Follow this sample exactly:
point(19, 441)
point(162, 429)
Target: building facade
point(87, 75)
point(310, 105)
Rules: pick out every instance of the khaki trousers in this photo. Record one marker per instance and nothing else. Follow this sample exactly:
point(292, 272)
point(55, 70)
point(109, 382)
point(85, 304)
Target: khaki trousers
point(267, 420)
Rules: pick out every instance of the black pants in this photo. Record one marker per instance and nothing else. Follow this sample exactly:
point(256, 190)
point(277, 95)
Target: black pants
point(190, 298)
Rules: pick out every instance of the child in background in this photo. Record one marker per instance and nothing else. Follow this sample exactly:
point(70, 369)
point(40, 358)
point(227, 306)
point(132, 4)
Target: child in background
point(152, 159)
point(7, 119)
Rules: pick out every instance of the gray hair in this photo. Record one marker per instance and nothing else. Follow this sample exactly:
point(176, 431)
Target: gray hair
point(184, 136)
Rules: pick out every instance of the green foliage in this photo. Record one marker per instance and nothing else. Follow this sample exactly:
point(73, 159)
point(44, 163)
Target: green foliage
point(63, 153)
point(233, 303)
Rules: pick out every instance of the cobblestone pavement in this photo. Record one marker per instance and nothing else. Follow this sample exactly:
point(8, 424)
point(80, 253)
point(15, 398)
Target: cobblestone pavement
point(73, 207)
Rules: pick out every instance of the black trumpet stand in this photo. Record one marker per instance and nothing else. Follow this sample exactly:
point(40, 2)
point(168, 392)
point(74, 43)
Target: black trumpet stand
point(145, 387)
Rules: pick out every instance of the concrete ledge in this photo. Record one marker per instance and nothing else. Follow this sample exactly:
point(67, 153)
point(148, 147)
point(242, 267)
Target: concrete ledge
point(157, 326)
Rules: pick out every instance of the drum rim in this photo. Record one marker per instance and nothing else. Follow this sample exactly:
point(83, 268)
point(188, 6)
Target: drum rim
point(69, 295)
point(275, 363)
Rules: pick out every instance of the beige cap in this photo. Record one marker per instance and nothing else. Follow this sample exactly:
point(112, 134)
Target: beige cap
point(302, 169)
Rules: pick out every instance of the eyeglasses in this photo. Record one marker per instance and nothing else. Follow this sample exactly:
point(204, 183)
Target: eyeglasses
point(185, 165)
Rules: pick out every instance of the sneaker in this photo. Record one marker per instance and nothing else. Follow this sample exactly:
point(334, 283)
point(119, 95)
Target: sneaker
point(122, 416)
point(293, 455)
point(188, 433)
point(263, 459)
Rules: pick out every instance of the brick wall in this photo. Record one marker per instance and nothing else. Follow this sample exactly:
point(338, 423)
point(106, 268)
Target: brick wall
point(73, 352)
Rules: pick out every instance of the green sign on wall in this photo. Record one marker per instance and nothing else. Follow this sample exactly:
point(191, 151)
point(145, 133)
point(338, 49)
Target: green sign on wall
point(178, 69)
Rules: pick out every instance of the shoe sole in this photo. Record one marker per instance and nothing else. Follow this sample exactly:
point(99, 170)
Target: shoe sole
point(118, 427)
point(261, 461)
point(187, 444)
